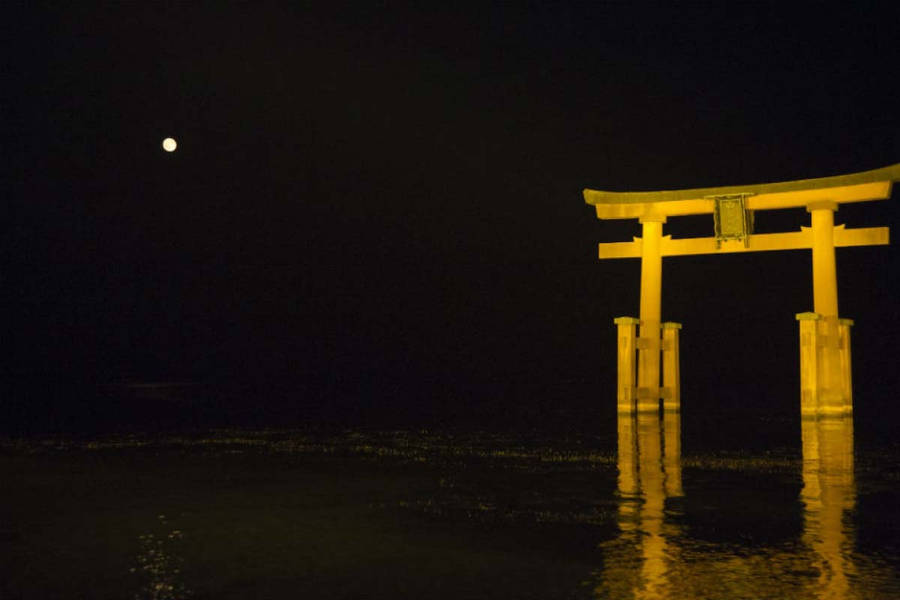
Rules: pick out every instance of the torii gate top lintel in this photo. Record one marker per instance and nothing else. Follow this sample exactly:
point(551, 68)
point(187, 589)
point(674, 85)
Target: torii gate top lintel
point(853, 187)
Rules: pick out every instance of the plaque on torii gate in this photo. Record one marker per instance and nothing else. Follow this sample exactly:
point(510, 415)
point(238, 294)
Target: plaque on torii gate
point(825, 380)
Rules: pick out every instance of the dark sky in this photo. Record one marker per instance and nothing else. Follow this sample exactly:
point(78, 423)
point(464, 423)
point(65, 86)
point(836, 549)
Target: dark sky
point(383, 205)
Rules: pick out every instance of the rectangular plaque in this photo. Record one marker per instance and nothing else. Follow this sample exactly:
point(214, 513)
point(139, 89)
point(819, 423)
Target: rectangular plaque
point(732, 219)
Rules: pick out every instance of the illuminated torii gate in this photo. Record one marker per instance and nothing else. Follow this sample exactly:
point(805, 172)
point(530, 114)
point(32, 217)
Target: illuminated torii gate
point(824, 337)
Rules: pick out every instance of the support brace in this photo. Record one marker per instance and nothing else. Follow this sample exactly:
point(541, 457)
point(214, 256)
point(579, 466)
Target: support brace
point(632, 398)
point(826, 386)
point(671, 367)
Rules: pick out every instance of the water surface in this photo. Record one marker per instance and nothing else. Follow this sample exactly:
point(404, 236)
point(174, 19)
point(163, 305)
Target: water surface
point(440, 514)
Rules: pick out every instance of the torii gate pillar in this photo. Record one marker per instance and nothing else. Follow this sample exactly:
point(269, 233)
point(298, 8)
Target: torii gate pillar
point(651, 300)
point(824, 268)
point(830, 375)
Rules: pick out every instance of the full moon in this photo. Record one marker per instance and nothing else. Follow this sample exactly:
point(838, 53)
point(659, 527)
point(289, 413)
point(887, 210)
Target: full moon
point(169, 145)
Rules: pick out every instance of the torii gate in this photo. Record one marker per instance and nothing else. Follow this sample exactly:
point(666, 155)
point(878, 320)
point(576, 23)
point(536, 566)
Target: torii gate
point(825, 380)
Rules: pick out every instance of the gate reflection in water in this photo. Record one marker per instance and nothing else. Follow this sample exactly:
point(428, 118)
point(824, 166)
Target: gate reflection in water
point(829, 491)
point(653, 557)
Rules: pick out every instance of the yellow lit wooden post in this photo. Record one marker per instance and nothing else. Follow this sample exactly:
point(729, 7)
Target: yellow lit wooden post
point(844, 326)
point(825, 304)
point(825, 300)
point(671, 367)
point(651, 301)
point(809, 378)
point(826, 385)
point(627, 367)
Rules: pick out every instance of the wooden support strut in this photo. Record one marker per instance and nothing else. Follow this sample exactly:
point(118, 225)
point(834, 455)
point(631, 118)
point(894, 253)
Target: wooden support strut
point(671, 367)
point(844, 326)
point(809, 379)
point(630, 397)
point(826, 386)
point(627, 367)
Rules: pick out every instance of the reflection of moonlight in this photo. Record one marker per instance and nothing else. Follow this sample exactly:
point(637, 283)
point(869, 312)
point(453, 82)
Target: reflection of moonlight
point(169, 145)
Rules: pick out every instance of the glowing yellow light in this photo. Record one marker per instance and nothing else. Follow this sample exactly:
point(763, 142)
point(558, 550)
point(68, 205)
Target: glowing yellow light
point(825, 369)
point(169, 145)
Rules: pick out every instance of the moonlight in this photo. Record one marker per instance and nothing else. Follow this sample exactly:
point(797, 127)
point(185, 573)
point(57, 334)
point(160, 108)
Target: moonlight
point(169, 145)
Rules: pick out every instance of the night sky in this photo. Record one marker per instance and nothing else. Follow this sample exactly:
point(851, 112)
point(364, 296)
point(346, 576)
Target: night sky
point(378, 210)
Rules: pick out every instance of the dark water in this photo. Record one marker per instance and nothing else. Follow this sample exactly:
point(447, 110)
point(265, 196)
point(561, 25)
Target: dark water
point(643, 510)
